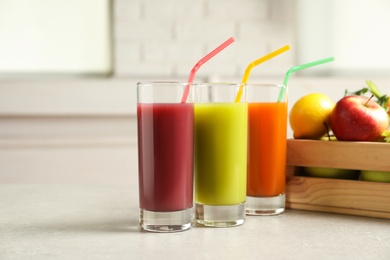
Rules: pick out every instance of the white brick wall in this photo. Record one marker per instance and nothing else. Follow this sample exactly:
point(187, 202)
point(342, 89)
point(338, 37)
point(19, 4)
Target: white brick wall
point(164, 39)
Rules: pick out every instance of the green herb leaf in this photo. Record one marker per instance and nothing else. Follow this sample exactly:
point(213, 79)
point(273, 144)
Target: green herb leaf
point(374, 89)
point(360, 92)
point(386, 135)
point(383, 100)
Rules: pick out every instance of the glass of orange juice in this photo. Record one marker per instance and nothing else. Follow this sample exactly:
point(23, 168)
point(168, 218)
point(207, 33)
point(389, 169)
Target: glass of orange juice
point(267, 141)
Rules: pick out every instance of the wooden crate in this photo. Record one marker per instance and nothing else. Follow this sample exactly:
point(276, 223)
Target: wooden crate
point(353, 197)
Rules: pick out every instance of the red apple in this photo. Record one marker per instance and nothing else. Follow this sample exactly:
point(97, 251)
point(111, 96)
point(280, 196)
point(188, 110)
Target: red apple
point(357, 118)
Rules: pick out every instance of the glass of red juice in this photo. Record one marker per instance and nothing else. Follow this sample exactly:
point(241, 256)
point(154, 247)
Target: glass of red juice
point(165, 156)
point(267, 144)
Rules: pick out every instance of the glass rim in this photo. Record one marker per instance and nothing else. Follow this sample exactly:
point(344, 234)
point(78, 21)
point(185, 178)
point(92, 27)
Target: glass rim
point(220, 83)
point(158, 82)
point(167, 83)
point(265, 85)
point(208, 83)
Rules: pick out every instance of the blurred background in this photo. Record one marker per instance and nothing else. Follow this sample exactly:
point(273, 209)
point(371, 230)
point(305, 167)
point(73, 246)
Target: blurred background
point(69, 68)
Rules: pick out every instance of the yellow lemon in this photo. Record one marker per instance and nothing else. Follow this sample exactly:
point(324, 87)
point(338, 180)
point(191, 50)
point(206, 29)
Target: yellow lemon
point(309, 116)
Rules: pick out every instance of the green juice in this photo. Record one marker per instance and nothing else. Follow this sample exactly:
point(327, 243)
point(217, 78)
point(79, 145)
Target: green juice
point(220, 133)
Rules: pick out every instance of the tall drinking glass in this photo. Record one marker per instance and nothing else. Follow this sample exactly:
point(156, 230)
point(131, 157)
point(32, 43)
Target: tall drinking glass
point(267, 141)
point(220, 136)
point(165, 155)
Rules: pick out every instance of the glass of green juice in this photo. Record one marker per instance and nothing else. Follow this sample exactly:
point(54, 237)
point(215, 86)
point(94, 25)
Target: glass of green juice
point(220, 154)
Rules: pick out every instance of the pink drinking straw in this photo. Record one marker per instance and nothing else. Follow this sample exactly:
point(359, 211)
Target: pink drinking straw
point(200, 63)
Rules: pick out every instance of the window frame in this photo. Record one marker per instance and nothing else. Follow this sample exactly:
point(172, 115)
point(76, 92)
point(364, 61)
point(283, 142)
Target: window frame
point(320, 35)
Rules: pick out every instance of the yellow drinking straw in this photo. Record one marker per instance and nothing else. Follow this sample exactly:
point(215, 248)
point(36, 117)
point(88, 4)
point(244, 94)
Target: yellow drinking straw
point(255, 63)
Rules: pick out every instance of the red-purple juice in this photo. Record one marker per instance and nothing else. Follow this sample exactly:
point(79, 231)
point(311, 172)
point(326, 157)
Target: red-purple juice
point(165, 156)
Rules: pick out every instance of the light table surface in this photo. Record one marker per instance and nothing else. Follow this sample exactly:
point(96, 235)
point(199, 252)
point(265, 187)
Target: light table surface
point(44, 221)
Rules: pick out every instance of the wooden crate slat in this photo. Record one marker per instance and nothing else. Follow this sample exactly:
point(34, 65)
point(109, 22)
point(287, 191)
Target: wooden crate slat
point(336, 154)
point(352, 197)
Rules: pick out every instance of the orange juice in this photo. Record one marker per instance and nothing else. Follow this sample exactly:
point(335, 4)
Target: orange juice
point(267, 124)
